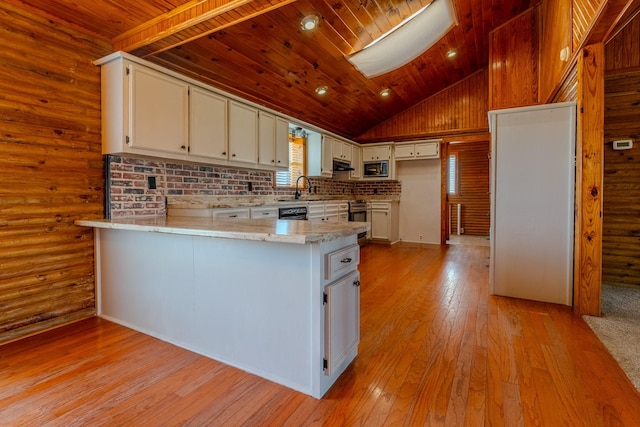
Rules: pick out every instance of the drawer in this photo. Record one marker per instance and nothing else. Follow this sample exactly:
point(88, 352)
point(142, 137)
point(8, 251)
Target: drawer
point(381, 205)
point(340, 262)
point(231, 213)
point(191, 212)
point(267, 212)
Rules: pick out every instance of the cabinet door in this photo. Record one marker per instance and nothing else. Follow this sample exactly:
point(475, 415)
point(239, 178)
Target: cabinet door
point(159, 111)
point(282, 143)
point(356, 162)
point(331, 212)
point(266, 139)
point(427, 150)
point(342, 320)
point(383, 152)
point(369, 153)
point(346, 152)
point(405, 151)
point(208, 124)
point(336, 146)
point(243, 133)
point(380, 228)
point(327, 159)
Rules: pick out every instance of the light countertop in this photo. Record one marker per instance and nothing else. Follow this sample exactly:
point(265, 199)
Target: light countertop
point(268, 230)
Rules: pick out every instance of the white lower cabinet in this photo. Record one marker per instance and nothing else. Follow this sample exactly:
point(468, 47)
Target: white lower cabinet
point(328, 211)
point(223, 298)
point(342, 320)
point(341, 300)
point(384, 221)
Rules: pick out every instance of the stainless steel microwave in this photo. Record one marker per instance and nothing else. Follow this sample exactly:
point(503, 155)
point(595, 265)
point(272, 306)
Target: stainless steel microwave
point(378, 169)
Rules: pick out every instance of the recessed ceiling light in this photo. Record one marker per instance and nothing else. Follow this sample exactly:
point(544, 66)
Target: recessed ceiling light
point(385, 92)
point(321, 90)
point(452, 53)
point(309, 23)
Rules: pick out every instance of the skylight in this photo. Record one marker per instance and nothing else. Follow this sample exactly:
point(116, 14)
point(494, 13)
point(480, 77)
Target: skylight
point(406, 41)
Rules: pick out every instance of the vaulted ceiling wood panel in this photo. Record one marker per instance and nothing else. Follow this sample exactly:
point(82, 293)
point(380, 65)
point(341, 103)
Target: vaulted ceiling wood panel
point(256, 50)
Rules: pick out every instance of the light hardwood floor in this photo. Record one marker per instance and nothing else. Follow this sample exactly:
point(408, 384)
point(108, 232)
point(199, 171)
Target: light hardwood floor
point(435, 349)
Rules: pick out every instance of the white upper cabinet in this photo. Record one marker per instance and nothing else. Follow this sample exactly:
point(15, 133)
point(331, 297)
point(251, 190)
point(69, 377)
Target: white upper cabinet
point(417, 150)
point(266, 139)
point(143, 111)
point(340, 150)
point(208, 124)
point(319, 155)
point(282, 143)
point(356, 162)
point(159, 111)
point(243, 133)
point(273, 141)
point(377, 152)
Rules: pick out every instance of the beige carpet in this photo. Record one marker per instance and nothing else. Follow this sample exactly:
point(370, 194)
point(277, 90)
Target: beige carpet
point(619, 328)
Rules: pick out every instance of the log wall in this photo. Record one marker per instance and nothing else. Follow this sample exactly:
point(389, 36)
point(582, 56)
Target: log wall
point(51, 172)
point(621, 196)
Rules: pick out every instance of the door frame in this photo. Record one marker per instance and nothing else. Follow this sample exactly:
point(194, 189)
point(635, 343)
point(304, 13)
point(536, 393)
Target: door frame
point(444, 173)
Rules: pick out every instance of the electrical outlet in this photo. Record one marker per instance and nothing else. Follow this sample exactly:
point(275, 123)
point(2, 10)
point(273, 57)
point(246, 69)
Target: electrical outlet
point(420, 236)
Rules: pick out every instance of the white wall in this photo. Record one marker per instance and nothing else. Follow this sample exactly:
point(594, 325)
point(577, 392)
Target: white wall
point(420, 200)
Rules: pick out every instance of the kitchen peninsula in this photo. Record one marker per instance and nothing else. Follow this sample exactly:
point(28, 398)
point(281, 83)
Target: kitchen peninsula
point(279, 299)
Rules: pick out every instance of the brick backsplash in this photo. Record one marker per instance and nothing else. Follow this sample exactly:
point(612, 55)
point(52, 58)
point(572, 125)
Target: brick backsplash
point(129, 194)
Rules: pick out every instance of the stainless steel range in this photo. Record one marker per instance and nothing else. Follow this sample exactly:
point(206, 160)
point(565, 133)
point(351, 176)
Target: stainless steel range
point(358, 212)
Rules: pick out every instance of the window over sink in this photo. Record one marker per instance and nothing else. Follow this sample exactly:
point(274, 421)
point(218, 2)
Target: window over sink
point(297, 158)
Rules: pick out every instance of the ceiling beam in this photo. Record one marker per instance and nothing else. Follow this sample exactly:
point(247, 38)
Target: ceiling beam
point(190, 21)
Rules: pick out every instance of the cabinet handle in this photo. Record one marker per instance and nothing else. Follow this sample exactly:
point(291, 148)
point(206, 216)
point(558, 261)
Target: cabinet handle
point(356, 283)
point(184, 147)
point(233, 216)
point(224, 153)
point(346, 260)
point(273, 161)
point(233, 155)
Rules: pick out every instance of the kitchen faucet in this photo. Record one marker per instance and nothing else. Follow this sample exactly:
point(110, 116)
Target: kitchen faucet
point(297, 194)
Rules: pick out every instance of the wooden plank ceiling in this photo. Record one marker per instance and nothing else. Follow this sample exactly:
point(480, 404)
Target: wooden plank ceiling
point(256, 49)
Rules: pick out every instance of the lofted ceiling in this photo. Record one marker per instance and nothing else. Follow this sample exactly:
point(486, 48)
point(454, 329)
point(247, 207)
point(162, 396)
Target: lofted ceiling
point(255, 49)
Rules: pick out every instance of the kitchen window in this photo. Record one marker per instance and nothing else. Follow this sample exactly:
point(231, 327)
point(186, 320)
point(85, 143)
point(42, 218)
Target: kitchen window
point(297, 164)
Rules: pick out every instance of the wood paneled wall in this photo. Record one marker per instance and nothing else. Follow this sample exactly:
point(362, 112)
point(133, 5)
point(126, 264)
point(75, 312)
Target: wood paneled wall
point(514, 62)
point(621, 190)
point(555, 35)
point(51, 172)
point(584, 13)
point(623, 51)
point(568, 89)
point(461, 108)
point(473, 187)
